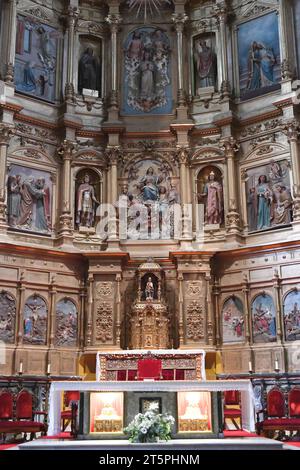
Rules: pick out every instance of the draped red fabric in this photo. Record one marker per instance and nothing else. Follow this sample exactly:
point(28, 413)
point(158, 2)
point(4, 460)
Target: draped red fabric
point(179, 375)
point(132, 375)
point(231, 397)
point(121, 375)
point(294, 402)
point(168, 374)
point(149, 369)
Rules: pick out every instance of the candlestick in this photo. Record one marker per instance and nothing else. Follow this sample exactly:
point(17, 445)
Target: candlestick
point(49, 368)
point(276, 365)
point(21, 368)
point(250, 367)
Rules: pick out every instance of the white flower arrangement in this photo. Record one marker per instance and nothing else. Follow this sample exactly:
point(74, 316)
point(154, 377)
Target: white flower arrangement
point(150, 426)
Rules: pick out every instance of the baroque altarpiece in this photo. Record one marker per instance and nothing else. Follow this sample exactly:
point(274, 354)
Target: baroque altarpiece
point(149, 182)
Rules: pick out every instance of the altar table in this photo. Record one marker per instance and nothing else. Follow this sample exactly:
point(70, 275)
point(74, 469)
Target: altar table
point(243, 386)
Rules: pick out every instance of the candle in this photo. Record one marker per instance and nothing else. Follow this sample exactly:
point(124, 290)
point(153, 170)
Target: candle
point(276, 364)
point(21, 368)
point(250, 366)
point(49, 368)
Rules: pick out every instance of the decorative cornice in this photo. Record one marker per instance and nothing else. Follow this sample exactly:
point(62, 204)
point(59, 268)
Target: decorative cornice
point(11, 107)
point(262, 117)
point(35, 121)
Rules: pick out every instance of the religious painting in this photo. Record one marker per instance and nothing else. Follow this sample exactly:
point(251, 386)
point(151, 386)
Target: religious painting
point(233, 321)
point(89, 65)
point(291, 311)
point(151, 404)
point(87, 198)
point(263, 319)
point(269, 199)
point(194, 412)
point(29, 199)
point(147, 87)
point(149, 198)
point(35, 321)
point(7, 317)
point(296, 8)
point(210, 194)
point(66, 323)
point(205, 62)
point(36, 58)
point(259, 56)
point(106, 412)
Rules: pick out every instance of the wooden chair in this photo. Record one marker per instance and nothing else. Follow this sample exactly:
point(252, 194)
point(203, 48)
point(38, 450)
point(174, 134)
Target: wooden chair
point(69, 415)
point(149, 369)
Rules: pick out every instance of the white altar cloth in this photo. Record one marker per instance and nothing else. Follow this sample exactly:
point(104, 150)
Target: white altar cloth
point(160, 352)
point(243, 386)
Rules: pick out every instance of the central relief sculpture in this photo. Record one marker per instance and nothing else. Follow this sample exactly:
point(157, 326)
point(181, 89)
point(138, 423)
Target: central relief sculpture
point(147, 75)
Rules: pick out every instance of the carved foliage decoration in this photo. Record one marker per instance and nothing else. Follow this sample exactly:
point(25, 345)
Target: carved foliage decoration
point(194, 288)
point(66, 323)
point(195, 321)
point(104, 323)
point(7, 317)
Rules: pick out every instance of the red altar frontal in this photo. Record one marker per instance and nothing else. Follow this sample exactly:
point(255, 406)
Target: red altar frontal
point(155, 364)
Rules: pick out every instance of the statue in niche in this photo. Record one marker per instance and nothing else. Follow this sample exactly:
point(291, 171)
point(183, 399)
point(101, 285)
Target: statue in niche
point(213, 197)
point(14, 199)
point(86, 204)
point(149, 290)
point(149, 185)
point(89, 71)
point(282, 208)
point(265, 197)
point(206, 64)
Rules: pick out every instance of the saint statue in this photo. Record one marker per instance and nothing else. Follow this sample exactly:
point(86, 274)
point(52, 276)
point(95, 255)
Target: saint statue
point(213, 195)
point(89, 71)
point(149, 185)
point(206, 64)
point(265, 197)
point(149, 290)
point(14, 199)
point(282, 208)
point(86, 202)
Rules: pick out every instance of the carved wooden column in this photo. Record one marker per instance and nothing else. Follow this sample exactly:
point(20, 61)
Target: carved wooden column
point(20, 307)
point(89, 324)
point(82, 295)
point(66, 152)
point(118, 310)
point(218, 320)
point(278, 306)
point(114, 19)
point(52, 312)
point(183, 156)
point(292, 131)
point(230, 148)
point(113, 156)
point(248, 318)
point(209, 324)
point(221, 14)
point(179, 20)
point(11, 39)
point(6, 133)
point(181, 314)
point(72, 17)
point(286, 18)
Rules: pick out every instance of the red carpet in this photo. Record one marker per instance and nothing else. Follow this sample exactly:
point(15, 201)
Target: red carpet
point(239, 433)
point(62, 435)
point(7, 446)
point(291, 443)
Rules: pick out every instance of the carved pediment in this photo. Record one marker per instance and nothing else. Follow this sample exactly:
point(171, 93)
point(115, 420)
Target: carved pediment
point(255, 8)
point(265, 150)
point(206, 154)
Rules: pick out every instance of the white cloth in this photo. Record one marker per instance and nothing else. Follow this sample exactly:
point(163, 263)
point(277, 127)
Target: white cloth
point(243, 386)
point(160, 352)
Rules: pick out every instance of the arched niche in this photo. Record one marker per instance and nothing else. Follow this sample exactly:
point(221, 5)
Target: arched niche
point(66, 325)
point(209, 187)
point(87, 197)
point(263, 319)
point(7, 317)
point(291, 313)
point(35, 315)
point(89, 65)
point(233, 321)
point(205, 66)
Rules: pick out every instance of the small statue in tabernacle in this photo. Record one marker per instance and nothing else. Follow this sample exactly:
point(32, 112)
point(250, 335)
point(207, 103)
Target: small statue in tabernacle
point(149, 291)
point(86, 204)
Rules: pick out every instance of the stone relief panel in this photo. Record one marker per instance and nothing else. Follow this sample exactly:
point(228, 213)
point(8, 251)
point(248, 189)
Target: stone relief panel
point(233, 321)
point(269, 200)
point(29, 200)
point(291, 312)
point(259, 56)
point(147, 82)
point(263, 319)
point(7, 317)
point(36, 58)
point(35, 321)
point(66, 330)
